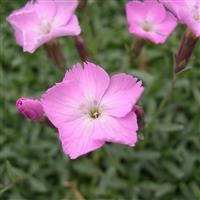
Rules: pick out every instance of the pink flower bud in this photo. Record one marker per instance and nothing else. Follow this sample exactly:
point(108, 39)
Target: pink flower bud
point(30, 108)
point(187, 46)
point(81, 47)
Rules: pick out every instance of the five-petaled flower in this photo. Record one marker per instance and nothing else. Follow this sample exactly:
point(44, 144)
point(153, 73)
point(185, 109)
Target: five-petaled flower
point(90, 108)
point(42, 20)
point(187, 11)
point(149, 20)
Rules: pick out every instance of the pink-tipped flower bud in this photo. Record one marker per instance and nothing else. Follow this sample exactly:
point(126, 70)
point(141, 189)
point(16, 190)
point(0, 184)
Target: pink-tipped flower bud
point(81, 47)
point(30, 108)
point(185, 51)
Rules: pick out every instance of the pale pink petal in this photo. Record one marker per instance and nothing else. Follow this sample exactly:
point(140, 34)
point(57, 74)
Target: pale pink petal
point(156, 13)
point(45, 9)
point(190, 3)
point(123, 92)
point(157, 38)
point(137, 30)
point(19, 36)
point(24, 22)
point(135, 11)
point(167, 26)
point(64, 11)
point(71, 28)
point(188, 12)
point(92, 79)
point(23, 19)
point(176, 6)
point(158, 35)
point(28, 6)
point(118, 130)
point(31, 41)
point(188, 18)
point(62, 102)
point(152, 36)
point(194, 26)
point(77, 137)
point(149, 3)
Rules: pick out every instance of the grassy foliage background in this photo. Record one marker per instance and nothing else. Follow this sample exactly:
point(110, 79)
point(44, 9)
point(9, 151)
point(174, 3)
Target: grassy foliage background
point(164, 165)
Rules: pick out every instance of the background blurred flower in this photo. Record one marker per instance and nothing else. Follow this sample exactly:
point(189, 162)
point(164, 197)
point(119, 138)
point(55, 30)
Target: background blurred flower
point(89, 108)
point(149, 20)
point(30, 108)
point(188, 12)
point(40, 21)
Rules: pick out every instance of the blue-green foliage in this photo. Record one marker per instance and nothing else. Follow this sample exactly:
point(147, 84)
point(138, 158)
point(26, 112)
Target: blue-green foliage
point(164, 165)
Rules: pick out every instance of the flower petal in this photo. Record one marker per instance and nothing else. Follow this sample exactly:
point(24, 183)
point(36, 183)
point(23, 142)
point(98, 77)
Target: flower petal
point(156, 37)
point(189, 18)
point(135, 11)
point(118, 130)
point(167, 26)
point(155, 12)
point(62, 102)
point(45, 9)
point(122, 95)
point(31, 40)
point(71, 28)
point(77, 137)
point(23, 19)
point(175, 6)
point(92, 79)
point(19, 36)
point(64, 11)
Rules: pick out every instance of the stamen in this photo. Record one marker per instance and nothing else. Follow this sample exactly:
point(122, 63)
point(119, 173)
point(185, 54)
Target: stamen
point(95, 114)
point(147, 26)
point(91, 109)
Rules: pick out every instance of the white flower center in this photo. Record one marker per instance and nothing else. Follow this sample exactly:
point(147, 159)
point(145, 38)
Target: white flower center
point(196, 12)
point(147, 26)
point(44, 27)
point(92, 110)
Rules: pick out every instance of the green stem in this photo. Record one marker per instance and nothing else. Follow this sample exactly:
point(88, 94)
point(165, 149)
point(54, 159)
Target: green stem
point(138, 46)
point(167, 96)
point(150, 125)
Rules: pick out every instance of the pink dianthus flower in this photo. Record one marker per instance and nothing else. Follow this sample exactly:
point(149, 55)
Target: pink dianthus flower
point(40, 21)
point(187, 11)
point(149, 20)
point(90, 108)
